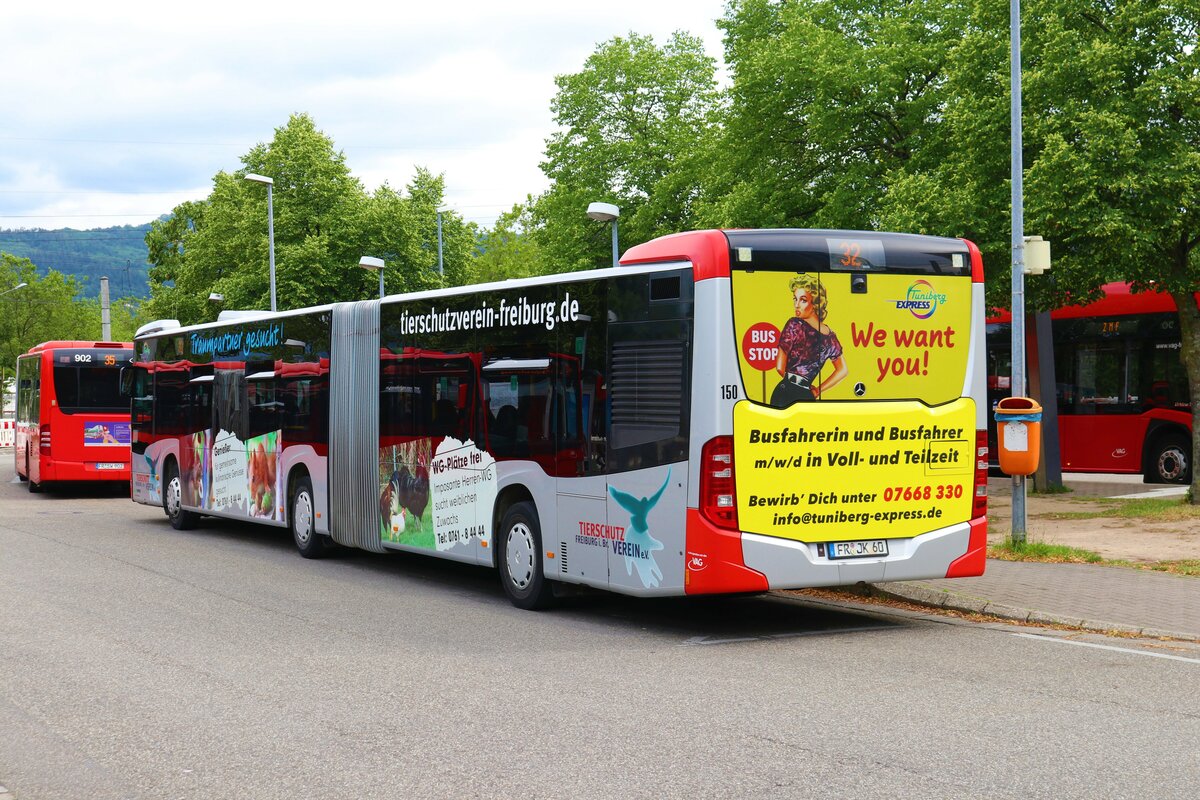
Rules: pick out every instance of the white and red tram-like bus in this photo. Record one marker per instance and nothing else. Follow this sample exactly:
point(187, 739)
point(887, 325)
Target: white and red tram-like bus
point(726, 411)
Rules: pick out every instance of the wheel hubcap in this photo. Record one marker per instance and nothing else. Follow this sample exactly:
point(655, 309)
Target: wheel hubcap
point(1172, 464)
point(519, 554)
point(174, 496)
point(302, 518)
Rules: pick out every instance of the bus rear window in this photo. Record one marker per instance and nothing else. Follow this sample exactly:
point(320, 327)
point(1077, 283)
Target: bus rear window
point(88, 389)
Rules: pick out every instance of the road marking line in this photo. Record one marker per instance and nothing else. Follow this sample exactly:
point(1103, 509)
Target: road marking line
point(1107, 647)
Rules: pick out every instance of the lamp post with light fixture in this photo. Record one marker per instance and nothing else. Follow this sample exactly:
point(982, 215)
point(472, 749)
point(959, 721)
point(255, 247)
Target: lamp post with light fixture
point(372, 263)
point(606, 212)
point(20, 285)
point(270, 183)
point(440, 211)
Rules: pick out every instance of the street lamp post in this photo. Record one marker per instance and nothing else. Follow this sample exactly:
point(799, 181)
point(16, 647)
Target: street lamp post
point(20, 285)
point(1017, 192)
point(371, 263)
point(440, 210)
point(606, 212)
point(270, 183)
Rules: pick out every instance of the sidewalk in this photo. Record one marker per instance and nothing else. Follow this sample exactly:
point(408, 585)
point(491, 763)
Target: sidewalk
point(1089, 596)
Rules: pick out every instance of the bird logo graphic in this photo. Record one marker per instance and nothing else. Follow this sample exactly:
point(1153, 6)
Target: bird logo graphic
point(639, 546)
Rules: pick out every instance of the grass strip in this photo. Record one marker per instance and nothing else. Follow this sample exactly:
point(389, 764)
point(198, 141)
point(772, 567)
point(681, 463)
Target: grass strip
point(1161, 509)
point(1061, 554)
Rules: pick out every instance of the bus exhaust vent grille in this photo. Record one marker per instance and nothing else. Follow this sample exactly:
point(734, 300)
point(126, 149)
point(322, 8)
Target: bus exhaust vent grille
point(562, 557)
point(646, 387)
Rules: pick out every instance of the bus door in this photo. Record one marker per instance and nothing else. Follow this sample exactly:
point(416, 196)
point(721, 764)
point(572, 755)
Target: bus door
point(534, 414)
point(582, 487)
point(28, 411)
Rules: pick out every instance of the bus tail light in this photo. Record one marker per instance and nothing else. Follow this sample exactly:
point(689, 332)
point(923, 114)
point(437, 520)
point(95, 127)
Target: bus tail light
point(718, 498)
point(44, 437)
point(979, 501)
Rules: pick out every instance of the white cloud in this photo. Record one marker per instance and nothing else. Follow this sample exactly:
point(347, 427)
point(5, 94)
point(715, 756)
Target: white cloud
point(115, 114)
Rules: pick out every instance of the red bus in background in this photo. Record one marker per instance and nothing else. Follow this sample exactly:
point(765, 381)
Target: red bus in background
point(72, 422)
point(1122, 392)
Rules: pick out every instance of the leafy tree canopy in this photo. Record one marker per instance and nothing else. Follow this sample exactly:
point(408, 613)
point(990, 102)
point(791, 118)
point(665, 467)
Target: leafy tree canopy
point(324, 223)
point(635, 123)
point(47, 308)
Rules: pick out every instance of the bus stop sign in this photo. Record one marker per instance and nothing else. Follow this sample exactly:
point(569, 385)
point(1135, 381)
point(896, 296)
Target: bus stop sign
point(760, 346)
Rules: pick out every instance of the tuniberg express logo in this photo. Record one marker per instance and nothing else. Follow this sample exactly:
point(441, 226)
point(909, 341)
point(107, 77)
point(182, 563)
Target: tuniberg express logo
point(921, 300)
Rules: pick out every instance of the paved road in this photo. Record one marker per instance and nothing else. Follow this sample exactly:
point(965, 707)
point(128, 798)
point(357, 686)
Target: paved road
point(141, 662)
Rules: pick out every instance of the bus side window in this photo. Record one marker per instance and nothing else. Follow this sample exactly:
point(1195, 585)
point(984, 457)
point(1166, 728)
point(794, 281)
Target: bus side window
point(200, 399)
point(172, 410)
point(264, 412)
point(300, 400)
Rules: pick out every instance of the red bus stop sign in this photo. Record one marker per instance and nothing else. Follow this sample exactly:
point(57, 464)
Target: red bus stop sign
point(760, 346)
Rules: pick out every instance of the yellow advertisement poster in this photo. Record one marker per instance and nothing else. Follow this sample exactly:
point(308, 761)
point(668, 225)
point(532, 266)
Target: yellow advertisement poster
point(851, 335)
point(820, 472)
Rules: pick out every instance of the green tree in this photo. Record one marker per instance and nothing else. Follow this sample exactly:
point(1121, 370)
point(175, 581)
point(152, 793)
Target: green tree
point(324, 223)
point(508, 249)
point(829, 103)
point(1111, 129)
point(45, 309)
point(635, 123)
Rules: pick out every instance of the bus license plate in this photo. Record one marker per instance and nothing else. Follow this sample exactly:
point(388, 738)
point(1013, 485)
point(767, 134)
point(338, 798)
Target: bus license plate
point(864, 549)
point(109, 465)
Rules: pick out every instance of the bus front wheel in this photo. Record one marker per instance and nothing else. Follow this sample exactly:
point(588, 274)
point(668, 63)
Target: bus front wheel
point(181, 519)
point(302, 521)
point(520, 557)
point(1169, 461)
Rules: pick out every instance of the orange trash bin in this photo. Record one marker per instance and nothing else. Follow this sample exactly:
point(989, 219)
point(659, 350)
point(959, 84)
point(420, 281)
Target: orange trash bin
point(1018, 435)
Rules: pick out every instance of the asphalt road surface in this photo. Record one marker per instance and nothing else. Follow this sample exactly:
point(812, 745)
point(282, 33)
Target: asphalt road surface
point(141, 662)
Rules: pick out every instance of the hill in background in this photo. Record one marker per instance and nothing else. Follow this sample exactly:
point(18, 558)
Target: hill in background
point(118, 252)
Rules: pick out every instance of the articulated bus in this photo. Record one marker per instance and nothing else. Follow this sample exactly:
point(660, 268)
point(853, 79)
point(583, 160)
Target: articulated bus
point(72, 422)
point(725, 411)
point(1121, 390)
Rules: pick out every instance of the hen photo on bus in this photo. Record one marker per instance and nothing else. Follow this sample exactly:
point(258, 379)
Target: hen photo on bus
point(1120, 389)
point(72, 421)
point(620, 428)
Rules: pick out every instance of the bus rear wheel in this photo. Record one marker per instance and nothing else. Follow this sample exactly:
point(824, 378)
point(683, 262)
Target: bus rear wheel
point(302, 521)
point(1170, 461)
point(520, 557)
point(181, 519)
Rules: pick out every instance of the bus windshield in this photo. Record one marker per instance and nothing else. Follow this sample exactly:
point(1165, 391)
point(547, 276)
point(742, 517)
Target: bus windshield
point(87, 389)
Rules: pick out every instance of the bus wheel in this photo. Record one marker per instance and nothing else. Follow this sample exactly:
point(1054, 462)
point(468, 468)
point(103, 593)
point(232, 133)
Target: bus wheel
point(520, 557)
point(1169, 461)
point(302, 521)
point(181, 519)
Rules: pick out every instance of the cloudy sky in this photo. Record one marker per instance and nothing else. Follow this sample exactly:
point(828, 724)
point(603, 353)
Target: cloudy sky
point(111, 114)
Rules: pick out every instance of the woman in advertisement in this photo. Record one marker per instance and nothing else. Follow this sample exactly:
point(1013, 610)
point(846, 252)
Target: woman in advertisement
point(805, 345)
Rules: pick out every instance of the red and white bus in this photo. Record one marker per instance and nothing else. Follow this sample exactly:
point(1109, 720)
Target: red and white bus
point(726, 411)
point(1121, 390)
point(72, 422)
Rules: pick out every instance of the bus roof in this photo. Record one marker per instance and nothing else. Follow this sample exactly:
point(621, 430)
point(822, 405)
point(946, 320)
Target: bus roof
point(63, 344)
point(1119, 300)
point(710, 249)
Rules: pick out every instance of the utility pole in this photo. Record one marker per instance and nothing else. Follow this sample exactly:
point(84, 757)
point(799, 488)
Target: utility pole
point(1017, 388)
point(105, 317)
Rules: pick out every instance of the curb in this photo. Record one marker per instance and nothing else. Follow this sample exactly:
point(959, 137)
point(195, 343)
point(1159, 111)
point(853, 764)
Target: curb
point(937, 598)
